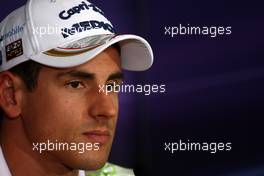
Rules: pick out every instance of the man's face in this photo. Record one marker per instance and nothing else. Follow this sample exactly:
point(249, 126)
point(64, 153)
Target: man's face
point(67, 107)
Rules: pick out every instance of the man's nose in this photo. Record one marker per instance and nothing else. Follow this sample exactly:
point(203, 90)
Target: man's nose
point(104, 106)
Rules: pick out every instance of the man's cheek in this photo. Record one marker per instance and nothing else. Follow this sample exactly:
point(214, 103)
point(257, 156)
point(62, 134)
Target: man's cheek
point(45, 128)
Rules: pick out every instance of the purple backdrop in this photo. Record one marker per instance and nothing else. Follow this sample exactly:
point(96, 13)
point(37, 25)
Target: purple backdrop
point(214, 87)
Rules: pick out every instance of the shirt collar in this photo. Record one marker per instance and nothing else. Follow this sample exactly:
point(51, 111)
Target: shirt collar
point(4, 170)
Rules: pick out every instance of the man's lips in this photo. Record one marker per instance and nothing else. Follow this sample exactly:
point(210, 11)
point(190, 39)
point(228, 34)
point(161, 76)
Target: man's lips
point(98, 136)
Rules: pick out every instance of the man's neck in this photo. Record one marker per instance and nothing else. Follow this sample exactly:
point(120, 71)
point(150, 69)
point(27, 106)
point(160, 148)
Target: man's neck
point(20, 157)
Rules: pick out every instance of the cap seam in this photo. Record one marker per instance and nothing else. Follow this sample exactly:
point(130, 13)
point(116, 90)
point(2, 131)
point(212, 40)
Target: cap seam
point(29, 22)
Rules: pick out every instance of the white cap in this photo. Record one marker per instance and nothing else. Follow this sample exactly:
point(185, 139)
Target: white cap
point(65, 33)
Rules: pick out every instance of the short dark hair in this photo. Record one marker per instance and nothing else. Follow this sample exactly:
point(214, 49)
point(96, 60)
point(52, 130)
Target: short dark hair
point(28, 72)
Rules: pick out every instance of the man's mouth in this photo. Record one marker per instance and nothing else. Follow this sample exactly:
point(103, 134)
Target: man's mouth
point(98, 136)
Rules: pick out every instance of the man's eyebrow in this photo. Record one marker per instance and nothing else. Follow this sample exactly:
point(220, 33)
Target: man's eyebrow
point(117, 75)
point(77, 74)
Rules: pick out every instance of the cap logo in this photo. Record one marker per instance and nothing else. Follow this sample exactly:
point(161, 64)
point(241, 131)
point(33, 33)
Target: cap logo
point(12, 32)
point(85, 26)
point(14, 50)
point(65, 15)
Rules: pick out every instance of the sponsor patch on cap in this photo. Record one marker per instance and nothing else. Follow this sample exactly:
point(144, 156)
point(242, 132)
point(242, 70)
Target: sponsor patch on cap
point(14, 50)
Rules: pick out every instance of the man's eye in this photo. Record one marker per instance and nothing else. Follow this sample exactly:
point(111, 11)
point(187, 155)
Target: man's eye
point(75, 85)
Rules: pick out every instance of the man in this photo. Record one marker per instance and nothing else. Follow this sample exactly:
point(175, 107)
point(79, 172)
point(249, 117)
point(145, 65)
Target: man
point(55, 57)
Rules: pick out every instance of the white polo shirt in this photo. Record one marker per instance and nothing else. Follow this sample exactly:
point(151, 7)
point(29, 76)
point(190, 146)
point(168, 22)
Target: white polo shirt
point(118, 171)
point(4, 170)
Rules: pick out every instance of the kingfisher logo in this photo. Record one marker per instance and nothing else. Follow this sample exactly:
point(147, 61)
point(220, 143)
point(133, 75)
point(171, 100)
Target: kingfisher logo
point(12, 32)
point(65, 15)
point(85, 26)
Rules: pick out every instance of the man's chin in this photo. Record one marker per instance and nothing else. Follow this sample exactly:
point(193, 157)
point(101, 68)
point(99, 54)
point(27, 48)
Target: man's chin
point(94, 166)
point(89, 161)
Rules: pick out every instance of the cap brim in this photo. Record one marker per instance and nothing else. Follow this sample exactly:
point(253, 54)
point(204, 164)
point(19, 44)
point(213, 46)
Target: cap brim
point(136, 54)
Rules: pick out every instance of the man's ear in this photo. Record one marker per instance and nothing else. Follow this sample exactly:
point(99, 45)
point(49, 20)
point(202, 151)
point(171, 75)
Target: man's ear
point(10, 94)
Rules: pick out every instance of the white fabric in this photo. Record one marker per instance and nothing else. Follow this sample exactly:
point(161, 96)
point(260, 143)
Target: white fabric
point(22, 37)
point(81, 173)
point(4, 170)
